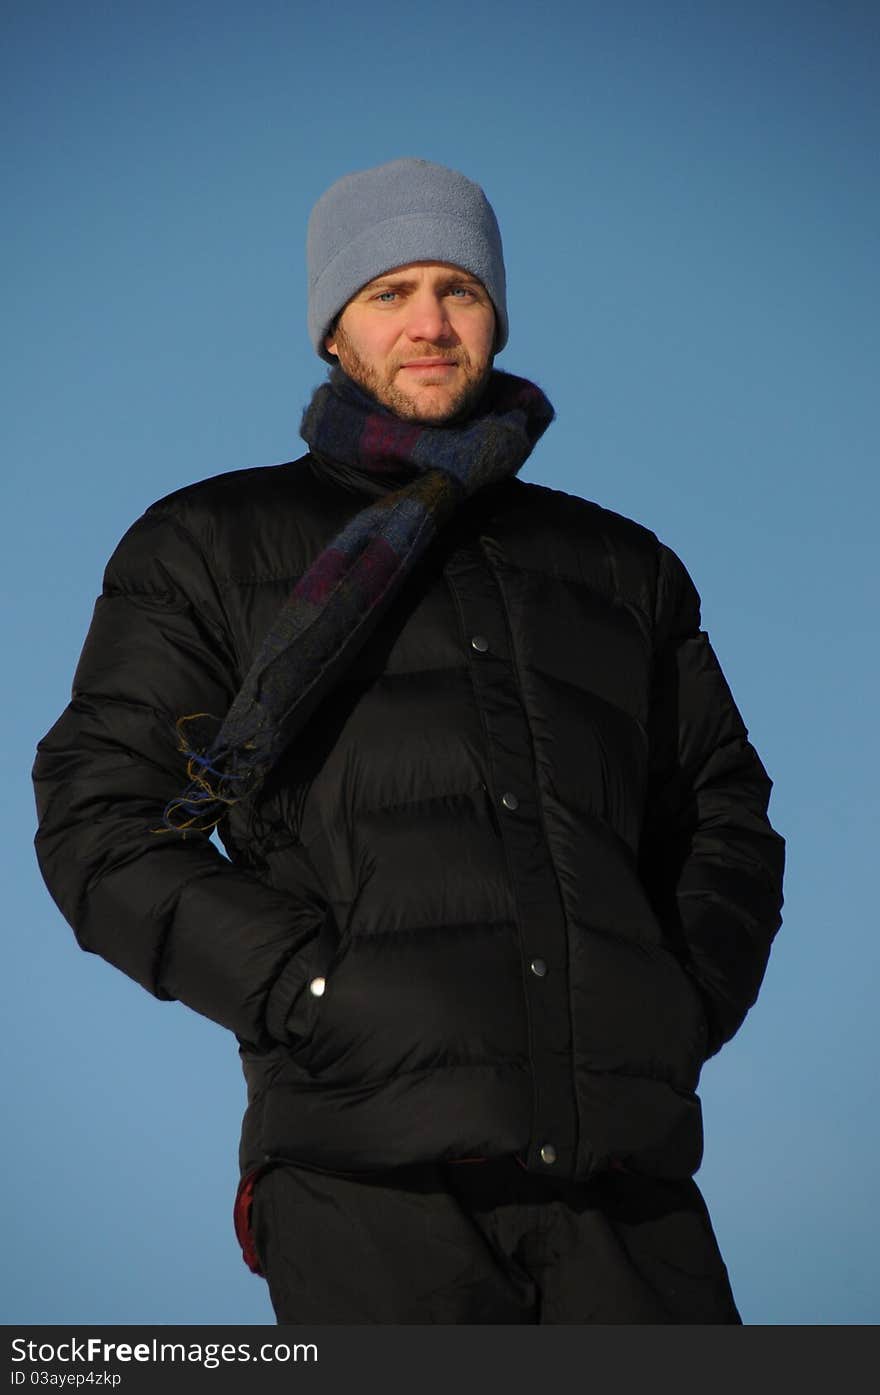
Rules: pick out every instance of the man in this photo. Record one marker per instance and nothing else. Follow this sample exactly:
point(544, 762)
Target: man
point(500, 876)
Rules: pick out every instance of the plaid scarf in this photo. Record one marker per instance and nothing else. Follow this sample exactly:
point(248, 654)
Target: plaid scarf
point(335, 604)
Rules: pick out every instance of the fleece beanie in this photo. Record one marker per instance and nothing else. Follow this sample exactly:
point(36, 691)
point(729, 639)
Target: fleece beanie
point(405, 211)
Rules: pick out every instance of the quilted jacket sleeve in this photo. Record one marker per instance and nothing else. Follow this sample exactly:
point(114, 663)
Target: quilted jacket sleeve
point(172, 913)
point(710, 858)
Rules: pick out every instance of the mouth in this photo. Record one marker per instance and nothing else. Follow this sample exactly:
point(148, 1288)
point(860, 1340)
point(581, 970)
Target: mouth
point(442, 366)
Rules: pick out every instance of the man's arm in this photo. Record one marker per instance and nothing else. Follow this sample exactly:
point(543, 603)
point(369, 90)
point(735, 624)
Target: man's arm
point(710, 859)
point(170, 912)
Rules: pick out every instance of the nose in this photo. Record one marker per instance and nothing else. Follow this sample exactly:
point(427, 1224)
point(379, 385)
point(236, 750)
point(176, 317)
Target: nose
point(427, 317)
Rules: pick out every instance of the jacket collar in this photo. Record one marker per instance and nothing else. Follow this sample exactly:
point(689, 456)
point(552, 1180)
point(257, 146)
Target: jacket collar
point(360, 481)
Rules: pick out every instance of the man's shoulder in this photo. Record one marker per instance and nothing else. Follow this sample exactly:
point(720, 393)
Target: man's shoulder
point(241, 523)
point(258, 487)
point(272, 512)
point(571, 539)
point(555, 512)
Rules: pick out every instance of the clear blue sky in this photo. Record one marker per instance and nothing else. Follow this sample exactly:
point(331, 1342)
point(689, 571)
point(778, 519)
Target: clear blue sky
point(689, 202)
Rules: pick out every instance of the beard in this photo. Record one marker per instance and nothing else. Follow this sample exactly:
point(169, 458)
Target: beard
point(382, 384)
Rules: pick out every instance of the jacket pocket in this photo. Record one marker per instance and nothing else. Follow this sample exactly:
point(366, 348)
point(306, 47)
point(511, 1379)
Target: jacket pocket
point(293, 1015)
point(701, 1020)
point(705, 1019)
point(327, 953)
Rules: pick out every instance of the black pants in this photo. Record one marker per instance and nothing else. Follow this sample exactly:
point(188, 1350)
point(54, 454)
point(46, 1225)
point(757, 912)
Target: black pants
point(487, 1242)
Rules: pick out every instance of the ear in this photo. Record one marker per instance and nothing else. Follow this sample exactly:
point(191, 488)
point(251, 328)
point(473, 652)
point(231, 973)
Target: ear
point(331, 336)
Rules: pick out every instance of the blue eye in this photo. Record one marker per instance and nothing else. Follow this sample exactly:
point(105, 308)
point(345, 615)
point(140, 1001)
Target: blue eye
point(382, 294)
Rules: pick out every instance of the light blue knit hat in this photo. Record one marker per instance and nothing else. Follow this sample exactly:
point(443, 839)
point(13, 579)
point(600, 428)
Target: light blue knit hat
point(404, 211)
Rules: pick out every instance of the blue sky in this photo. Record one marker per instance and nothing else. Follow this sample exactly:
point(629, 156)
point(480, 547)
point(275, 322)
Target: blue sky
point(688, 198)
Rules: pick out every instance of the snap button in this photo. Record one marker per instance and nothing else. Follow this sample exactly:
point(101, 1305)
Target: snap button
point(539, 968)
point(317, 986)
point(548, 1154)
point(479, 642)
point(509, 800)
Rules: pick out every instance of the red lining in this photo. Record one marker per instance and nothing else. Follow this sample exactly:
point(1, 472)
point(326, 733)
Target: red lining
point(241, 1217)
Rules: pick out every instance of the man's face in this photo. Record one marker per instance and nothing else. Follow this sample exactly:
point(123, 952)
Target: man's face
point(419, 339)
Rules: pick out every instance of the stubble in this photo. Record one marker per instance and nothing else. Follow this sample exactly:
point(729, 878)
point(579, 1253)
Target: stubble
point(385, 389)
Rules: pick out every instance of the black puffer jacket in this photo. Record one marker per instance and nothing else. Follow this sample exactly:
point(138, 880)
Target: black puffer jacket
point(524, 843)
